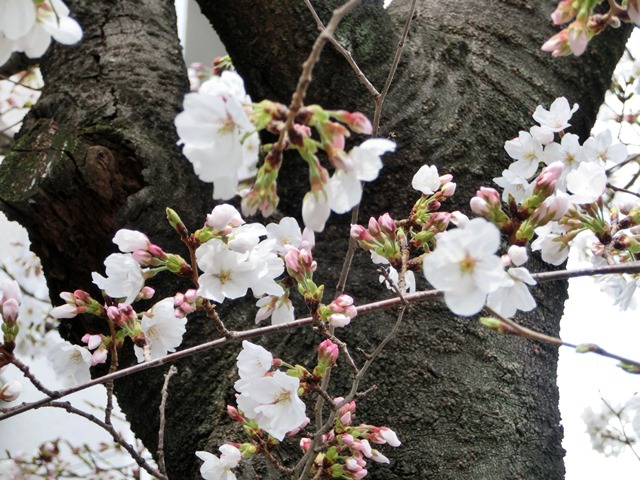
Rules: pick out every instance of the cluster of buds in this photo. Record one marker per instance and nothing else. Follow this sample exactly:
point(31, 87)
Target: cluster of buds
point(339, 312)
point(585, 25)
point(327, 357)
point(300, 266)
point(380, 237)
point(98, 345)
point(77, 302)
point(330, 136)
point(487, 204)
point(186, 303)
point(346, 448)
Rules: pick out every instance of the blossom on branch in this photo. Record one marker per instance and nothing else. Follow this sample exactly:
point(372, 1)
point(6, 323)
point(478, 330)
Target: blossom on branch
point(219, 468)
point(162, 330)
point(124, 277)
point(273, 402)
point(465, 267)
point(28, 25)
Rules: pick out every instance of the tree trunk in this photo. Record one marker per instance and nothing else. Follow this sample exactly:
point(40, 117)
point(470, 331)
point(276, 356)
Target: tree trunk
point(99, 153)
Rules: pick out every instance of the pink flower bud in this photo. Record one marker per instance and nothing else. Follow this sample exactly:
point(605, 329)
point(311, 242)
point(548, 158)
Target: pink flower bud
point(92, 341)
point(328, 352)
point(234, 414)
point(305, 443)
point(191, 295)
point(360, 233)
point(345, 419)
point(479, 206)
point(374, 227)
point(357, 122)
point(99, 356)
point(157, 252)
point(143, 258)
point(387, 223)
point(10, 310)
point(448, 189)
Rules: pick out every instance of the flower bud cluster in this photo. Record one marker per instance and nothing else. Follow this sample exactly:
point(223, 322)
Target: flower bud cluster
point(586, 24)
point(347, 448)
point(380, 237)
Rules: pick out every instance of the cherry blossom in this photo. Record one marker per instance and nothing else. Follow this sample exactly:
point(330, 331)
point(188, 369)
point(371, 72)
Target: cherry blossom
point(601, 148)
point(426, 180)
point(213, 128)
point(465, 267)
point(316, 210)
point(162, 330)
point(513, 185)
point(557, 117)
point(124, 277)
point(27, 26)
point(273, 402)
point(10, 391)
point(71, 362)
point(587, 182)
point(361, 164)
point(514, 296)
point(219, 468)
point(280, 309)
point(527, 152)
point(229, 274)
point(130, 240)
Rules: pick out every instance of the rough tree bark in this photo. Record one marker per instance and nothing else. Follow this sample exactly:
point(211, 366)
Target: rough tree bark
point(98, 153)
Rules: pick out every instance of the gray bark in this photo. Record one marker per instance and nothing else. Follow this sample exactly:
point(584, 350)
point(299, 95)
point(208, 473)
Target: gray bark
point(100, 151)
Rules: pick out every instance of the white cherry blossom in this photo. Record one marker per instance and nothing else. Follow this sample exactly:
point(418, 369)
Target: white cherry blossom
point(130, 240)
point(426, 180)
point(527, 152)
point(601, 148)
point(162, 330)
point(514, 296)
point(465, 267)
point(273, 402)
point(557, 117)
point(361, 164)
point(214, 128)
point(587, 182)
point(71, 363)
point(515, 185)
point(316, 210)
point(219, 468)
point(124, 277)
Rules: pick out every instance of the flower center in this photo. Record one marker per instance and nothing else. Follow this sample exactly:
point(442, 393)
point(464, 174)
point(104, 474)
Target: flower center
point(467, 264)
point(224, 276)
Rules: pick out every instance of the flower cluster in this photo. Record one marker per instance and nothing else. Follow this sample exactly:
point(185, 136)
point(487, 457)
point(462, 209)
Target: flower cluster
point(28, 25)
point(269, 402)
point(269, 399)
point(219, 130)
point(585, 24)
point(348, 447)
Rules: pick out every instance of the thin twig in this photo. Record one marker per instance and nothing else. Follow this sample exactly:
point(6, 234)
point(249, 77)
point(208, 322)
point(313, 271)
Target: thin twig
point(344, 52)
point(139, 459)
point(112, 368)
point(163, 403)
point(394, 66)
point(26, 372)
